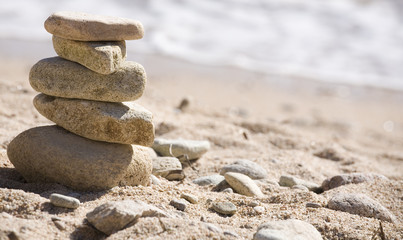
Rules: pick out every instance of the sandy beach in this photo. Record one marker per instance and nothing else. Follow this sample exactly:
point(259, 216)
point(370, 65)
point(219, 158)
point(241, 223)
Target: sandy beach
point(277, 122)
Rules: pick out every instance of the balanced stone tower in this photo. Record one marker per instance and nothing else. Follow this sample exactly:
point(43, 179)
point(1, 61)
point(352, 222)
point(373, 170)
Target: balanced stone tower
point(99, 137)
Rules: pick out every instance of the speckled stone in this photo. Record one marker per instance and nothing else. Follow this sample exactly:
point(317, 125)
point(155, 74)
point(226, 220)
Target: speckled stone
point(52, 154)
point(63, 78)
point(89, 27)
point(100, 57)
point(126, 123)
point(243, 184)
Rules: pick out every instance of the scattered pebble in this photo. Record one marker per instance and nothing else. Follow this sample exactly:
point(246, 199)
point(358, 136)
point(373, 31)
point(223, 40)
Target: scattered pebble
point(360, 204)
point(209, 180)
point(192, 148)
point(190, 198)
point(266, 182)
point(60, 225)
point(221, 186)
point(213, 228)
point(300, 187)
point(168, 167)
point(254, 203)
point(114, 216)
point(226, 208)
point(184, 104)
point(259, 209)
point(313, 205)
point(154, 180)
point(179, 204)
point(352, 178)
point(246, 167)
point(287, 229)
point(331, 153)
point(64, 201)
point(228, 190)
point(290, 181)
point(243, 184)
point(231, 234)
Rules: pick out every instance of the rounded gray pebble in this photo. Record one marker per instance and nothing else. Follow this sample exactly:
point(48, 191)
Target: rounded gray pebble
point(64, 201)
point(226, 208)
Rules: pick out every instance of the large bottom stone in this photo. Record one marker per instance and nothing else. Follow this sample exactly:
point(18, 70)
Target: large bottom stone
point(52, 154)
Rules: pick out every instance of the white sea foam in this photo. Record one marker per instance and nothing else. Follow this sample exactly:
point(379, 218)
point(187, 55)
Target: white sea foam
point(353, 41)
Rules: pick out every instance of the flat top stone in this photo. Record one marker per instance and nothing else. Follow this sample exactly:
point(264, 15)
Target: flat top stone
point(89, 27)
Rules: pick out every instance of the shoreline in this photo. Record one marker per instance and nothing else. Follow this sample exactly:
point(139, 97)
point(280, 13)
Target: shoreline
point(32, 51)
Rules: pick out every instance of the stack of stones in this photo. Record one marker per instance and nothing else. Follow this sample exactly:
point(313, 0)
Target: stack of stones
point(99, 137)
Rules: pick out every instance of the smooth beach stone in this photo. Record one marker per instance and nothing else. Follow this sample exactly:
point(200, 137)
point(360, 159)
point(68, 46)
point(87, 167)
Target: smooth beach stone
point(89, 27)
point(63, 78)
point(209, 180)
point(111, 217)
point(290, 181)
point(243, 184)
point(126, 123)
point(52, 154)
point(190, 198)
point(286, 230)
point(166, 167)
point(192, 148)
point(64, 201)
point(226, 208)
point(101, 57)
point(247, 167)
point(352, 178)
point(360, 204)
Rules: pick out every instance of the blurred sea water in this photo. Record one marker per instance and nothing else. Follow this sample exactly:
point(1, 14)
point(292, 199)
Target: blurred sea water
point(348, 41)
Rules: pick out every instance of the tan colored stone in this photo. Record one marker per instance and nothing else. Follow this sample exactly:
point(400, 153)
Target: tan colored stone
point(63, 78)
point(101, 57)
point(52, 154)
point(89, 27)
point(243, 184)
point(126, 123)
